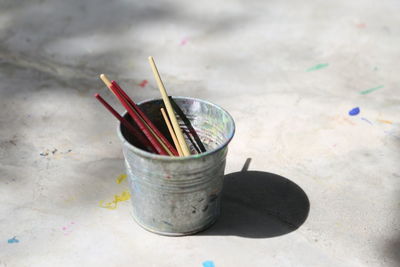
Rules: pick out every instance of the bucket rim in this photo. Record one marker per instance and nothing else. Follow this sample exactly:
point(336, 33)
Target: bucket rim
point(147, 154)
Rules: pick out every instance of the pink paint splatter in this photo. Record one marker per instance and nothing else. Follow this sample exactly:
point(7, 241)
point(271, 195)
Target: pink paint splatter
point(184, 41)
point(143, 83)
point(361, 25)
point(67, 230)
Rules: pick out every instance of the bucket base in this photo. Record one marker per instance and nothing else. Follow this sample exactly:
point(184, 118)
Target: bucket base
point(175, 234)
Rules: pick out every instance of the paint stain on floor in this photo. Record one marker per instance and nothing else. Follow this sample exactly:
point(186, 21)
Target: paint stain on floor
point(371, 90)
point(361, 25)
point(366, 120)
point(143, 83)
point(121, 178)
point(184, 41)
point(355, 111)
point(385, 121)
point(13, 240)
point(318, 67)
point(117, 198)
point(68, 228)
point(208, 264)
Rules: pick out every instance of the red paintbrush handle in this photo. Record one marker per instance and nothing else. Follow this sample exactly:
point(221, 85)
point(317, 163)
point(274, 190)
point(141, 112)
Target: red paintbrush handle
point(146, 119)
point(126, 124)
point(136, 118)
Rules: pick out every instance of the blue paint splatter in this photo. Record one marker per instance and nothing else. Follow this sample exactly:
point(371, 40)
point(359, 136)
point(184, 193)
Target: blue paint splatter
point(13, 240)
point(354, 111)
point(208, 264)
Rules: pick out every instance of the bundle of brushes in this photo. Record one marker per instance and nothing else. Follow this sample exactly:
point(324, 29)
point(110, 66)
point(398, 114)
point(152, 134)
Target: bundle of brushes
point(146, 133)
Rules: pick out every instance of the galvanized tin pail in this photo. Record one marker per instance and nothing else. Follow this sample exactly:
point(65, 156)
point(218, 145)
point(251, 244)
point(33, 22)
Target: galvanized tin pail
point(179, 195)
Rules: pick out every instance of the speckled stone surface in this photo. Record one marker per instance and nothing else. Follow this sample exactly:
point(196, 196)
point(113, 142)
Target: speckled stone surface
point(322, 187)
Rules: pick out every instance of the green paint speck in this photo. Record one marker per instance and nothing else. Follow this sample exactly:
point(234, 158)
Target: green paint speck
point(318, 67)
point(371, 90)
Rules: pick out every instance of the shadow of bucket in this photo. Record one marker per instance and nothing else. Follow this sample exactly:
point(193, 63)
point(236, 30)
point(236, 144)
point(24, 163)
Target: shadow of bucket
point(179, 195)
point(258, 204)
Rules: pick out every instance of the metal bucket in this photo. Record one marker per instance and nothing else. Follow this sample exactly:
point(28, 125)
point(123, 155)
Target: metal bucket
point(179, 195)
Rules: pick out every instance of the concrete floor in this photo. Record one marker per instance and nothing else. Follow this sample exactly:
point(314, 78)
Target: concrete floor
point(322, 188)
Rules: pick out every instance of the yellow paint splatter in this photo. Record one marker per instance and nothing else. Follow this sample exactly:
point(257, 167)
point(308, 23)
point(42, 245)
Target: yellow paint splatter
point(121, 178)
point(385, 121)
point(117, 198)
point(70, 199)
